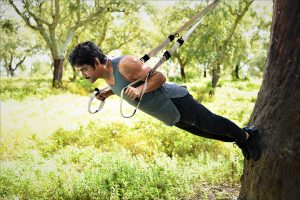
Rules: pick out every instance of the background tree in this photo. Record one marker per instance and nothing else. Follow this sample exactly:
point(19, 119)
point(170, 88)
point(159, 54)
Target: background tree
point(277, 113)
point(16, 44)
point(248, 47)
point(222, 48)
point(169, 22)
point(58, 28)
point(213, 41)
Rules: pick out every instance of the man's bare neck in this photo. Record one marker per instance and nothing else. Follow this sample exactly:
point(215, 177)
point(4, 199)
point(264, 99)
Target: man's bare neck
point(109, 73)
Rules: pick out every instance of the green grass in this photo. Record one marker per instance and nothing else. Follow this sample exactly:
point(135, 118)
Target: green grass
point(52, 148)
point(40, 87)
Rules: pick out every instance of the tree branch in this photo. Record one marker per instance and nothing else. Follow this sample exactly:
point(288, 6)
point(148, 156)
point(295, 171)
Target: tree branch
point(126, 41)
point(230, 8)
point(104, 31)
point(19, 63)
point(78, 10)
point(95, 14)
point(68, 39)
point(87, 19)
point(56, 15)
point(37, 18)
point(26, 19)
point(233, 29)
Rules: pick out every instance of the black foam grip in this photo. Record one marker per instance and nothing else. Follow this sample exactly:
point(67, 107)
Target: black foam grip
point(167, 55)
point(180, 41)
point(145, 58)
point(171, 37)
point(97, 90)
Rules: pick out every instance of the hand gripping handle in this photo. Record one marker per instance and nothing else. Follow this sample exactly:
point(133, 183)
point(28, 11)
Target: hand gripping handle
point(95, 93)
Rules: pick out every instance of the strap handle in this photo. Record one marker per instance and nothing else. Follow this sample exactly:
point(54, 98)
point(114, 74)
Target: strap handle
point(139, 100)
point(94, 94)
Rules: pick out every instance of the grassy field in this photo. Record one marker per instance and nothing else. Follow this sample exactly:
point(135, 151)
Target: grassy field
point(52, 148)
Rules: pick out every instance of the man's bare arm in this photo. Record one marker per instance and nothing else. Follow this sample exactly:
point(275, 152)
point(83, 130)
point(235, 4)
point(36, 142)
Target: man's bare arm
point(133, 69)
point(104, 94)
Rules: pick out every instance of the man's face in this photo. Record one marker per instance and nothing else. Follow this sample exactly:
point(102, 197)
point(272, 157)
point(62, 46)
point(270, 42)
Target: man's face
point(89, 73)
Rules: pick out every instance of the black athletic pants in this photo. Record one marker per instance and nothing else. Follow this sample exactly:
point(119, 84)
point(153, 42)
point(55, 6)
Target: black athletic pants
point(198, 120)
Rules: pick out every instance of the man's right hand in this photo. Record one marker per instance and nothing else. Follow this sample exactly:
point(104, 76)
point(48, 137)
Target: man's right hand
point(100, 97)
point(104, 94)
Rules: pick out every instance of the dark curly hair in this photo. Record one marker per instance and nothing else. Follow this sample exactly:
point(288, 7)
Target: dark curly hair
point(86, 53)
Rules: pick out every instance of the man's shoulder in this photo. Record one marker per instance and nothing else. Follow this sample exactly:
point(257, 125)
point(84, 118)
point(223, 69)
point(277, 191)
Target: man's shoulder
point(130, 63)
point(129, 60)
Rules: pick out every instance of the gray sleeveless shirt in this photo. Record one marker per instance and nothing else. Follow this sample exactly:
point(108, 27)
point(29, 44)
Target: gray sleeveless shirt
point(156, 103)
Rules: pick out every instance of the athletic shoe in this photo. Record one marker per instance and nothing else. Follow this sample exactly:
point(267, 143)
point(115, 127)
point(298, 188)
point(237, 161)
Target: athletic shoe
point(252, 143)
point(244, 149)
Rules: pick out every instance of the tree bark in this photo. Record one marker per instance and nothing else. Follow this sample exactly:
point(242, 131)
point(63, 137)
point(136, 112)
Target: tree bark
point(10, 69)
point(215, 75)
point(182, 64)
point(57, 74)
point(11, 72)
point(9, 65)
point(277, 113)
point(182, 73)
point(206, 66)
point(236, 71)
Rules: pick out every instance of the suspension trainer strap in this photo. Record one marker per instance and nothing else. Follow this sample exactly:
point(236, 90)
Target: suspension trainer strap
point(167, 54)
point(140, 99)
point(95, 93)
point(171, 37)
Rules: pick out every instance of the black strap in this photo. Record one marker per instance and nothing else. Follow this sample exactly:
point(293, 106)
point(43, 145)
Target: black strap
point(97, 90)
point(171, 37)
point(180, 41)
point(145, 58)
point(167, 55)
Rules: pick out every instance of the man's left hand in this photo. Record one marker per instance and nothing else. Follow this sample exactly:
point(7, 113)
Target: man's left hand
point(133, 93)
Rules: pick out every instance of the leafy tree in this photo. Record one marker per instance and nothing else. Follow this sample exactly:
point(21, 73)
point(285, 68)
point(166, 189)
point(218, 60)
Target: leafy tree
point(209, 45)
point(237, 14)
point(169, 22)
point(248, 47)
point(16, 44)
point(58, 21)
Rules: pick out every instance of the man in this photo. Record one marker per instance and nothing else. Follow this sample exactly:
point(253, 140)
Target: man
point(168, 102)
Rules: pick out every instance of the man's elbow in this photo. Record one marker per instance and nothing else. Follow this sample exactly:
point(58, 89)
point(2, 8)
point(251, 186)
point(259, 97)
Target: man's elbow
point(163, 79)
point(159, 77)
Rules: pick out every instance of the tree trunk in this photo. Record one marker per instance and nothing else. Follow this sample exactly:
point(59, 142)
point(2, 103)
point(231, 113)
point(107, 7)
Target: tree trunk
point(182, 65)
point(182, 73)
point(206, 66)
point(11, 72)
point(216, 70)
point(10, 69)
point(277, 113)
point(236, 71)
point(57, 74)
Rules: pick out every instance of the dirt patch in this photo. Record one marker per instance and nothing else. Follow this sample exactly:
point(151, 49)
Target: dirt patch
point(217, 192)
